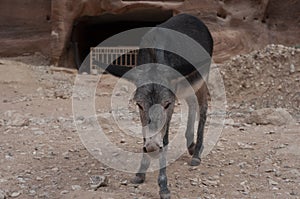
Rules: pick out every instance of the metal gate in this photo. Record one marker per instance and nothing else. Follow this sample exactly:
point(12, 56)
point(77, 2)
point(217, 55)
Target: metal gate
point(121, 55)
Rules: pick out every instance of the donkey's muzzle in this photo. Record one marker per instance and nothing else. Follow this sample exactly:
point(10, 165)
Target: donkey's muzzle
point(151, 147)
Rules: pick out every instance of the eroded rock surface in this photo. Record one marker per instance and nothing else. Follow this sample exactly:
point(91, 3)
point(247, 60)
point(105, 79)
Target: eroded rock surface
point(237, 26)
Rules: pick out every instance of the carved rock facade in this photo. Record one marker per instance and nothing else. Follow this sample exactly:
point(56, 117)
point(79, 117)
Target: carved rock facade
point(57, 28)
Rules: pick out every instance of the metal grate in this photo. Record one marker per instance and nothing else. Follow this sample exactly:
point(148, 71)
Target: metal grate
point(121, 55)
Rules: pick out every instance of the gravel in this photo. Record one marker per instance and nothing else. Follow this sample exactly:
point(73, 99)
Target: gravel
point(266, 78)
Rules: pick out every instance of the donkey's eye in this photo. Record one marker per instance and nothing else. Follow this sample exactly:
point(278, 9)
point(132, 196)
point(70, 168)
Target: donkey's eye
point(167, 105)
point(140, 106)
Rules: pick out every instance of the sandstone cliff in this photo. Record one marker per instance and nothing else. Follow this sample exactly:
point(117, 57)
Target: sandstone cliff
point(238, 26)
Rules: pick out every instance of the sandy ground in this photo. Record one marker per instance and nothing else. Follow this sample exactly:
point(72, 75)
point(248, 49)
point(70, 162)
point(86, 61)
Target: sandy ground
point(42, 156)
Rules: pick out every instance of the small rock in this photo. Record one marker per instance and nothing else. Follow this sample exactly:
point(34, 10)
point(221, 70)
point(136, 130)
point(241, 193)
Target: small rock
point(76, 187)
point(124, 182)
point(278, 116)
point(242, 128)
point(293, 193)
point(277, 173)
point(39, 178)
point(16, 119)
point(270, 170)
point(44, 195)
point(115, 154)
point(194, 181)
point(242, 164)
point(66, 155)
point(210, 182)
point(21, 180)
point(291, 174)
point(292, 68)
point(55, 169)
point(9, 156)
point(2, 123)
point(104, 94)
point(117, 94)
point(122, 141)
point(60, 94)
point(244, 146)
point(237, 125)
point(231, 162)
point(245, 188)
point(15, 194)
point(2, 195)
point(39, 133)
point(64, 192)
point(281, 146)
point(32, 192)
point(270, 132)
point(61, 119)
point(254, 175)
point(98, 181)
point(272, 182)
point(215, 177)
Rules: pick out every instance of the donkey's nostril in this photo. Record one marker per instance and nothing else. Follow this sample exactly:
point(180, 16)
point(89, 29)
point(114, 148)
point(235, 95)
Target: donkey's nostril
point(145, 149)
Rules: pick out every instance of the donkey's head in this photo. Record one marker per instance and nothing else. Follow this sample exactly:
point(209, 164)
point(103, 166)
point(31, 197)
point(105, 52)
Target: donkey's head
point(156, 104)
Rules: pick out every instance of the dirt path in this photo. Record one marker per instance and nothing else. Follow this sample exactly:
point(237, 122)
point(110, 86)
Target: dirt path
point(41, 155)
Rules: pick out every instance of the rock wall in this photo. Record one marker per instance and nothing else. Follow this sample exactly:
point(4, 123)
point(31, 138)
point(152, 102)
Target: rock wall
point(25, 27)
point(65, 13)
point(238, 26)
point(243, 26)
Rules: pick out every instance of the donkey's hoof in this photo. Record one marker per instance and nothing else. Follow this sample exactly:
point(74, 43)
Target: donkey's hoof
point(195, 162)
point(138, 180)
point(165, 195)
point(191, 148)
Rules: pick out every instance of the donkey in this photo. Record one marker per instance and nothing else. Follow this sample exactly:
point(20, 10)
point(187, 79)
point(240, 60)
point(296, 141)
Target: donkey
point(156, 98)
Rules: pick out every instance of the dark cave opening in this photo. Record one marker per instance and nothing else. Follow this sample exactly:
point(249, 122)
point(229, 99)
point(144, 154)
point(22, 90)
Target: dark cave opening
point(89, 31)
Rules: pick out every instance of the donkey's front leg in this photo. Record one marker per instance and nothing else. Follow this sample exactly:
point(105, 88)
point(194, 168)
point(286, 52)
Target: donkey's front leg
point(140, 176)
point(162, 177)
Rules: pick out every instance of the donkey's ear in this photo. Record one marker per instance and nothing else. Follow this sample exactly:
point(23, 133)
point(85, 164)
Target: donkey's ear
point(116, 70)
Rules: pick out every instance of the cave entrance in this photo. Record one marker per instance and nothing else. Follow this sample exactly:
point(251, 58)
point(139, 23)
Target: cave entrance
point(89, 31)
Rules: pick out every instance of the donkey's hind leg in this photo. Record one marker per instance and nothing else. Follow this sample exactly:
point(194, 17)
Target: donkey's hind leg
point(189, 133)
point(203, 105)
